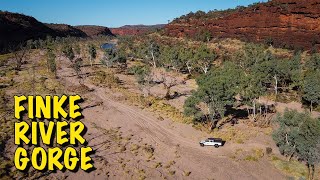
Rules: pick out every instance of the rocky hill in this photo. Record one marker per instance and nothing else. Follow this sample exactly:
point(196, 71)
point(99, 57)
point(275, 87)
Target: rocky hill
point(16, 28)
point(283, 23)
point(95, 30)
point(135, 29)
point(66, 30)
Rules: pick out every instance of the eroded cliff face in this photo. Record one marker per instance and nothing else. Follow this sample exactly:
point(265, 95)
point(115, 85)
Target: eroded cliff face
point(285, 23)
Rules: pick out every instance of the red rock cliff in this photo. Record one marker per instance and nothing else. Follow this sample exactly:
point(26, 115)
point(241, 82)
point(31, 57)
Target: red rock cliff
point(286, 23)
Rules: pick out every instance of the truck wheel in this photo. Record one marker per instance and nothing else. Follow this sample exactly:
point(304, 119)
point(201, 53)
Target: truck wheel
point(216, 146)
point(202, 145)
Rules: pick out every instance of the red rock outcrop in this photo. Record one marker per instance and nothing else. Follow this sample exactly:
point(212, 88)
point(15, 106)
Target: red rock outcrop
point(286, 23)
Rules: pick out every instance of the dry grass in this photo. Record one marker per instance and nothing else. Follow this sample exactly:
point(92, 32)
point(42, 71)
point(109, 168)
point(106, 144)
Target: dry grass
point(158, 165)
point(105, 79)
point(294, 169)
point(172, 172)
point(235, 135)
point(6, 131)
point(186, 173)
point(134, 147)
point(255, 155)
point(5, 58)
point(122, 148)
point(30, 80)
point(148, 151)
point(79, 89)
point(158, 106)
point(170, 163)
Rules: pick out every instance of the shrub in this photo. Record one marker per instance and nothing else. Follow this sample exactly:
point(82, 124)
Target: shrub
point(106, 79)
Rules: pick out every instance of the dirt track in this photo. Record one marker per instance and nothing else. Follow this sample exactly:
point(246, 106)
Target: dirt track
point(174, 143)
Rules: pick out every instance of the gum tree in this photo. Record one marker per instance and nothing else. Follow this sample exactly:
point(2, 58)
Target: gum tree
point(216, 90)
point(311, 88)
point(154, 51)
point(286, 135)
point(298, 135)
point(308, 144)
point(51, 62)
point(92, 53)
point(186, 57)
point(204, 58)
point(68, 52)
point(143, 77)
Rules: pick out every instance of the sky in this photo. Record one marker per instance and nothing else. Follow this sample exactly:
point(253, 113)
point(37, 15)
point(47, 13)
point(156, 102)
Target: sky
point(114, 13)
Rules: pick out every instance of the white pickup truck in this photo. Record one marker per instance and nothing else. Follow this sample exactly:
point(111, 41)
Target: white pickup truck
point(216, 142)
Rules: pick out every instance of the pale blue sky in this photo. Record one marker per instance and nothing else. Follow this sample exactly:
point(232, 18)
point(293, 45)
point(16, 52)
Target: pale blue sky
point(113, 13)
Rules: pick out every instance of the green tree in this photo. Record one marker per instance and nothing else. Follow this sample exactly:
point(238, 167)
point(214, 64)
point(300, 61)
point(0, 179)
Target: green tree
point(203, 35)
point(216, 90)
point(143, 77)
point(298, 135)
point(296, 70)
point(289, 72)
point(112, 56)
point(204, 58)
point(186, 57)
point(68, 52)
point(311, 88)
point(77, 49)
point(154, 51)
point(170, 57)
point(126, 44)
point(92, 53)
point(308, 144)
point(51, 62)
point(49, 42)
point(77, 64)
point(313, 63)
point(251, 89)
point(286, 135)
point(256, 68)
point(250, 56)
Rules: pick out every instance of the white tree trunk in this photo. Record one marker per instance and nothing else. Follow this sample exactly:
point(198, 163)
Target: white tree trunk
point(205, 69)
point(189, 67)
point(154, 60)
point(276, 84)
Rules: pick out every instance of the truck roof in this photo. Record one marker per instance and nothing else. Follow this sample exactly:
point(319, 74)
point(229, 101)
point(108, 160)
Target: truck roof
point(215, 139)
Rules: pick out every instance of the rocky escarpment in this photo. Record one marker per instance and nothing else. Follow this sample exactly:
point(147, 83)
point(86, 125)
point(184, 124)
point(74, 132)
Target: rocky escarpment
point(15, 28)
point(66, 30)
point(135, 29)
point(284, 23)
point(95, 30)
point(18, 28)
